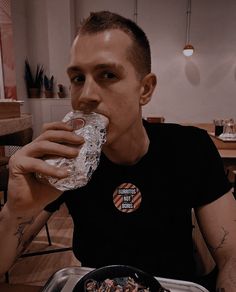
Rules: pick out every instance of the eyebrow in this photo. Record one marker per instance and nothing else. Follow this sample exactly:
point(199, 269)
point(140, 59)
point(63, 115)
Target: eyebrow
point(115, 66)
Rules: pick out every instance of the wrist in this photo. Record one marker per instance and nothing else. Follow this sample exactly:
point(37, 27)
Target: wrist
point(14, 215)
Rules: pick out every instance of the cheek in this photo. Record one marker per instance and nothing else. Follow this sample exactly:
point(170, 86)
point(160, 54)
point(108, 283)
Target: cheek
point(123, 104)
point(74, 98)
point(73, 104)
point(126, 93)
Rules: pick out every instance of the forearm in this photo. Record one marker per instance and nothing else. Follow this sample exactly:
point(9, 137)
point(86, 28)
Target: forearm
point(15, 235)
point(227, 276)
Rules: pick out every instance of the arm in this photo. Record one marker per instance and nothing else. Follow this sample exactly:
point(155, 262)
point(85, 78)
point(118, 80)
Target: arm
point(217, 222)
point(27, 197)
point(23, 230)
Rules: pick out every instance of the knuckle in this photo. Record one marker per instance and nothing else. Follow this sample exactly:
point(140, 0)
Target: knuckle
point(45, 127)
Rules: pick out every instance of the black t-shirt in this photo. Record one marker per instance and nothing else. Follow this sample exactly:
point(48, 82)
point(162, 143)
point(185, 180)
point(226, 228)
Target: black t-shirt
point(153, 231)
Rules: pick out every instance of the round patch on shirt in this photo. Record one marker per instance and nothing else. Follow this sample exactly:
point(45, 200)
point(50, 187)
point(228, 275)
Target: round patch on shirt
point(127, 198)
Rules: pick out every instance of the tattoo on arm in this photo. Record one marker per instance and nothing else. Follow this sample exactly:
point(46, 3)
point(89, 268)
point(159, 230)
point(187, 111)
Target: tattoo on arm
point(220, 245)
point(21, 227)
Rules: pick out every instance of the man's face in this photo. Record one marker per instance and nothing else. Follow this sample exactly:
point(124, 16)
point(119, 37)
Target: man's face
point(103, 80)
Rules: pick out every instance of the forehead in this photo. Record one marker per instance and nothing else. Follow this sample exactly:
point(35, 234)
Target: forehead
point(108, 46)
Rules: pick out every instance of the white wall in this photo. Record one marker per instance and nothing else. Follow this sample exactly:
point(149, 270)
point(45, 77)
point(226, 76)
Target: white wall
point(196, 89)
point(43, 32)
point(61, 27)
point(20, 42)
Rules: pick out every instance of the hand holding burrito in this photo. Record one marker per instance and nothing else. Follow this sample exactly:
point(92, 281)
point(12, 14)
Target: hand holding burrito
point(93, 129)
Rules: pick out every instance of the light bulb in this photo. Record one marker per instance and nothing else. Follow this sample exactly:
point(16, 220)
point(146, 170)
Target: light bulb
point(188, 50)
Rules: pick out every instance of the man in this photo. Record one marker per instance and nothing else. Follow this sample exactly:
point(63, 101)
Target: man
point(136, 209)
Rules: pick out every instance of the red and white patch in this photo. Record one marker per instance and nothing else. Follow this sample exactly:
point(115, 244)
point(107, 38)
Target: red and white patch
point(127, 198)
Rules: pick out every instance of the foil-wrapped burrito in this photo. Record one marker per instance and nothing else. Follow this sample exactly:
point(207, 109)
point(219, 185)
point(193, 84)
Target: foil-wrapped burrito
point(93, 129)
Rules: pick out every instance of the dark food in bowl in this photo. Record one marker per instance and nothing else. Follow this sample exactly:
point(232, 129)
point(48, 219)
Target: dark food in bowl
point(117, 284)
point(118, 278)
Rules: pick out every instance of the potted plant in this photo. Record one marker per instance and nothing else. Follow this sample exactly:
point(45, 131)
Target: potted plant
point(61, 91)
point(48, 85)
point(33, 83)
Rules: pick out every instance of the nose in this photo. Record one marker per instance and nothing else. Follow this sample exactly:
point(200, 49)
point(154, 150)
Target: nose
point(88, 98)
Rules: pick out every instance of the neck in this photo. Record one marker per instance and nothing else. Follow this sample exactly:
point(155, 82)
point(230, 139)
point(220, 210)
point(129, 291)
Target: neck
point(130, 148)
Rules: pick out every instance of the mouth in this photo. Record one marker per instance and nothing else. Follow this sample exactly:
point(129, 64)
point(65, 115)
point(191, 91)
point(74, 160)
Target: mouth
point(106, 118)
point(89, 112)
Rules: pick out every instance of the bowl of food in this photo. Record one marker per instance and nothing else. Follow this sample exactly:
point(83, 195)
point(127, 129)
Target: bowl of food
point(118, 278)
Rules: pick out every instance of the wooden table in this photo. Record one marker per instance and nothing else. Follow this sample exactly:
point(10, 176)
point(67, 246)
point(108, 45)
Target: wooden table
point(12, 125)
point(19, 288)
point(227, 149)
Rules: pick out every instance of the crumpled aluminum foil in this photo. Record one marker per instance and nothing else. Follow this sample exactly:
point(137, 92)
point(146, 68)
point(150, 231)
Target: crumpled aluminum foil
point(82, 167)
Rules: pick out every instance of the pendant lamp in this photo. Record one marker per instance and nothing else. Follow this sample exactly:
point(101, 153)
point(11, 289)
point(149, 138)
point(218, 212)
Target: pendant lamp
point(188, 48)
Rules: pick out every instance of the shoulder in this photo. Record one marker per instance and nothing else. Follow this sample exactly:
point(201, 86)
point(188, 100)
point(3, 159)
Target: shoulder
point(176, 132)
point(181, 141)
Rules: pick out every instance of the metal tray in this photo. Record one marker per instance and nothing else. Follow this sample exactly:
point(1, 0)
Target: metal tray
point(224, 139)
point(65, 280)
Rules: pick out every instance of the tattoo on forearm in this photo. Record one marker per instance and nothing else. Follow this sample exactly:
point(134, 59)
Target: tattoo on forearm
point(21, 227)
point(220, 245)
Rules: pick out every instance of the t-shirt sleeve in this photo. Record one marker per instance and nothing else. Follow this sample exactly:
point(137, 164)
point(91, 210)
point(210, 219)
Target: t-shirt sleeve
point(209, 180)
point(55, 205)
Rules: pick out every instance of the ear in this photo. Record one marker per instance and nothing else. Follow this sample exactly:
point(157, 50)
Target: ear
point(147, 87)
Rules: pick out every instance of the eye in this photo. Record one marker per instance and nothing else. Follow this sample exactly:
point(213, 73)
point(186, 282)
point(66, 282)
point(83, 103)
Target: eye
point(77, 79)
point(108, 75)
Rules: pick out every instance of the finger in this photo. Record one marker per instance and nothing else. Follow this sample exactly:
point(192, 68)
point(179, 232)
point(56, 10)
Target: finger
point(43, 148)
point(61, 137)
point(57, 126)
point(34, 165)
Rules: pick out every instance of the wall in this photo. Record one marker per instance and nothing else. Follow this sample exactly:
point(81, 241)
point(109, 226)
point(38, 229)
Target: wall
point(197, 89)
point(20, 43)
point(43, 32)
point(7, 62)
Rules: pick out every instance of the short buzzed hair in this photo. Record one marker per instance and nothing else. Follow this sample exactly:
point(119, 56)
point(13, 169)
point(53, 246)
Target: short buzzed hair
point(139, 53)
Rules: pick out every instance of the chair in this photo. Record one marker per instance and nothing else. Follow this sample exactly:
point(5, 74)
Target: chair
point(234, 184)
point(230, 171)
point(4, 174)
point(15, 141)
point(156, 119)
